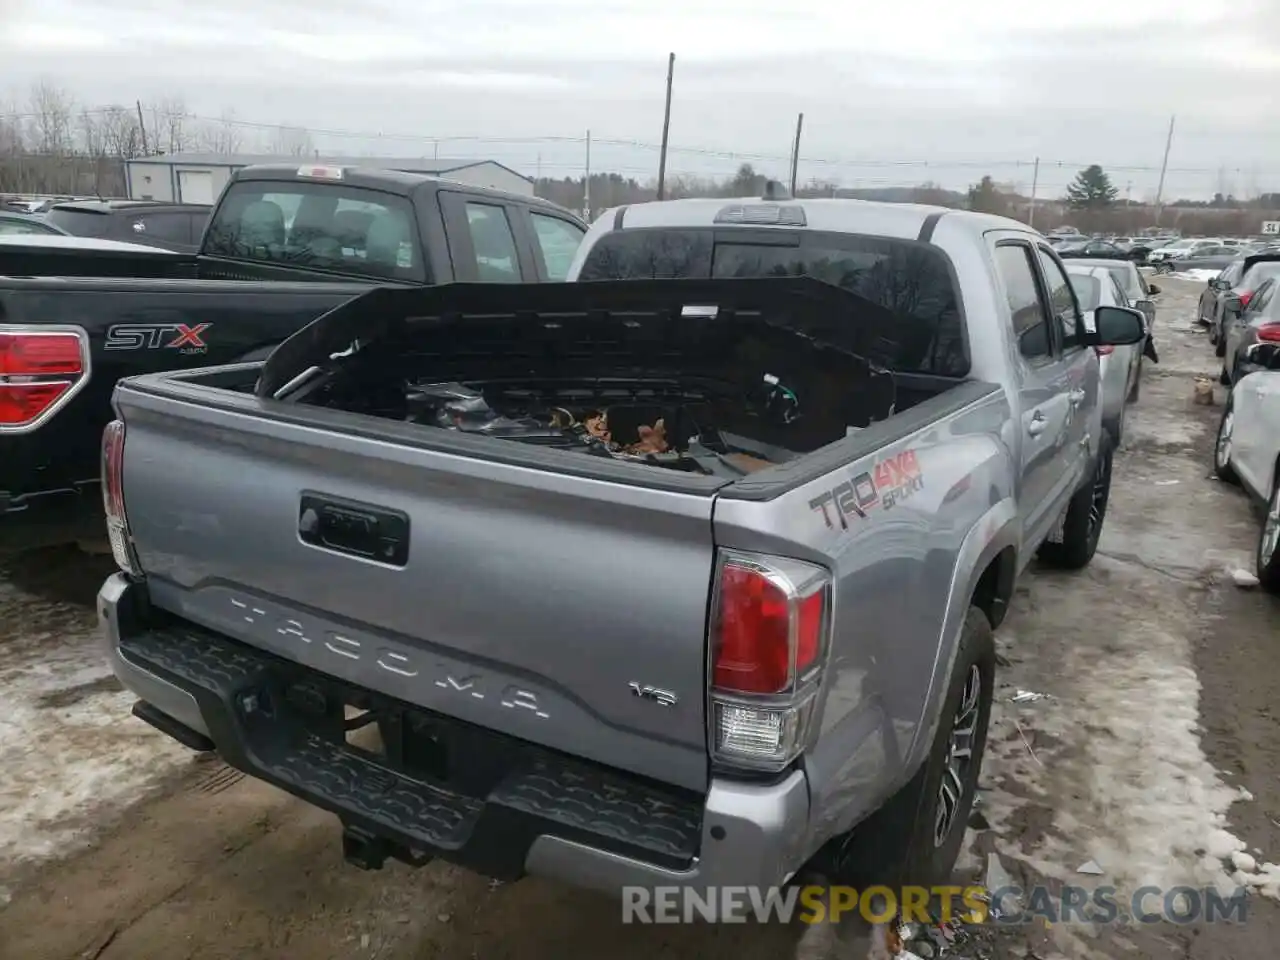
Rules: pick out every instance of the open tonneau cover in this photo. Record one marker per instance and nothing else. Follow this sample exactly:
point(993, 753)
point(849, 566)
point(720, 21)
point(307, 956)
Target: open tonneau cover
point(626, 320)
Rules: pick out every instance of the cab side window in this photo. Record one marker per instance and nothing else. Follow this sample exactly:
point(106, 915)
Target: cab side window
point(1062, 301)
point(1026, 309)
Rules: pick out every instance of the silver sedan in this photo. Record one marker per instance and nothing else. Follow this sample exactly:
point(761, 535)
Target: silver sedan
point(1121, 367)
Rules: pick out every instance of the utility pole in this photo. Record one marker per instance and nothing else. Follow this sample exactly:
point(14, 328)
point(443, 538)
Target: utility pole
point(1035, 185)
point(795, 153)
point(586, 184)
point(142, 129)
point(1164, 167)
point(666, 128)
point(539, 176)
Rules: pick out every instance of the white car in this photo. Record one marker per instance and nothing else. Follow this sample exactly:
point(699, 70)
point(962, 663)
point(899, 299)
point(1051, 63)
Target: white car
point(1248, 448)
point(1121, 367)
point(1179, 249)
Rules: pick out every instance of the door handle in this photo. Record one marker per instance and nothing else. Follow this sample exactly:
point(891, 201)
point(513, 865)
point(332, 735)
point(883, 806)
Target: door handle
point(1037, 424)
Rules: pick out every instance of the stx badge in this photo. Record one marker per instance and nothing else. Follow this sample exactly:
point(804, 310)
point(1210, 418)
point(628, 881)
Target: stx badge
point(157, 336)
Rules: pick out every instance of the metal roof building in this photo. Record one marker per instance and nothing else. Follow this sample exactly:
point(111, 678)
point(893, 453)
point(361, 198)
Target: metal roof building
point(200, 177)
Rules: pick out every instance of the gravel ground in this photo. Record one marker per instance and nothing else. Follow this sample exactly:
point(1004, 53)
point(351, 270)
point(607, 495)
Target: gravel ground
point(1155, 755)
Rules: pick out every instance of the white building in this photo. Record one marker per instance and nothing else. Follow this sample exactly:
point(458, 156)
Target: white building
point(200, 177)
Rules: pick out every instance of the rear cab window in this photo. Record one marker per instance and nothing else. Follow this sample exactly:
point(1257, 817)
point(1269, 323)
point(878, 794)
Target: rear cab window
point(558, 242)
point(912, 279)
point(318, 226)
point(81, 223)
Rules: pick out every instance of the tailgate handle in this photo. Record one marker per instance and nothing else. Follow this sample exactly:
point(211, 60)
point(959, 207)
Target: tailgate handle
point(354, 529)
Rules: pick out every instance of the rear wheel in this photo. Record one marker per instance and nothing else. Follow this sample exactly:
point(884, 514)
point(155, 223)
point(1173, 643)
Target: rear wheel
point(1222, 445)
point(915, 837)
point(1268, 559)
point(1085, 515)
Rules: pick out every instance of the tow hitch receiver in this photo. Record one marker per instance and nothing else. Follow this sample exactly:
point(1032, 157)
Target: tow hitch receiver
point(362, 849)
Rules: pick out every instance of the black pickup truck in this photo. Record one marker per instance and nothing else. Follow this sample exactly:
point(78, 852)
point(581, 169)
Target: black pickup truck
point(284, 244)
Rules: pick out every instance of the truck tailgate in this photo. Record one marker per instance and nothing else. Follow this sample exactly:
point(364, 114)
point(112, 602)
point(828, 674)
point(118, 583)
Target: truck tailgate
point(521, 601)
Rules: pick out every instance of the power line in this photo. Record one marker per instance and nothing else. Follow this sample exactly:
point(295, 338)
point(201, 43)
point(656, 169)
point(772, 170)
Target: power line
point(739, 156)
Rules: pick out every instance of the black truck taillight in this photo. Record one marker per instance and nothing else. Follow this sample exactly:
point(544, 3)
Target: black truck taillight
point(769, 630)
point(41, 369)
point(113, 498)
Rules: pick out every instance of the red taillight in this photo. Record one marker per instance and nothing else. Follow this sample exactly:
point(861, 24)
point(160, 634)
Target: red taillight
point(113, 470)
point(768, 628)
point(34, 354)
point(1270, 332)
point(1245, 297)
point(113, 498)
point(23, 403)
point(1105, 350)
point(39, 371)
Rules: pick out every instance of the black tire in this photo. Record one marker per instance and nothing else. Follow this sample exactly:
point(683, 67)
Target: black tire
point(1136, 389)
point(899, 843)
point(1224, 378)
point(1085, 516)
point(1213, 333)
point(1222, 457)
point(1220, 347)
point(1268, 560)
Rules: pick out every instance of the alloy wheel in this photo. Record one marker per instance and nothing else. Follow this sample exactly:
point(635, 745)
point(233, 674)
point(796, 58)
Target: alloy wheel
point(1101, 493)
point(964, 729)
point(1222, 452)
point(1270, 531)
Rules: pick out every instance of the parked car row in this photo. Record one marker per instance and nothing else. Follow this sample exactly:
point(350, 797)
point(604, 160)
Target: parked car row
point(1241, 310)
point(152, 223)
point(1117, 283)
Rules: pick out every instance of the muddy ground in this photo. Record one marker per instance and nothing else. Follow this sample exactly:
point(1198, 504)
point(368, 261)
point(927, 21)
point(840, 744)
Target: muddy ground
point(1155, 754)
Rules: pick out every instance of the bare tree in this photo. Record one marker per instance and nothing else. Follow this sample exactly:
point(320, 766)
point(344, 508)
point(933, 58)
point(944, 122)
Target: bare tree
point(292, 142)
point(121, 135)
point(51, 113)
point(169, 127)
point(92, 140)
point(222, 137)
point(12, 139)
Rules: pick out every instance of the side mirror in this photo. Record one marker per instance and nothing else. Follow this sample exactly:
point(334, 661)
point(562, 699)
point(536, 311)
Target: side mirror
point(1233, 303)
point(1148, 308)
point(1265, 355)
point(1119, 326)
point(1153, 290)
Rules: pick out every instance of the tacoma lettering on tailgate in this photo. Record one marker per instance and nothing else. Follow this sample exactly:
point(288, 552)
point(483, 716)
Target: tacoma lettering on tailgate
point(399, 660)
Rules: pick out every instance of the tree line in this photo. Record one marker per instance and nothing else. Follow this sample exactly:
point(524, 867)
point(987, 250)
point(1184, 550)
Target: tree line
point(50, 144)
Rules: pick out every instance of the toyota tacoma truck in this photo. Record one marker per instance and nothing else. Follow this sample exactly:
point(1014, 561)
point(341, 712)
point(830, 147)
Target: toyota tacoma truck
point(284, 244)
point(682, 573)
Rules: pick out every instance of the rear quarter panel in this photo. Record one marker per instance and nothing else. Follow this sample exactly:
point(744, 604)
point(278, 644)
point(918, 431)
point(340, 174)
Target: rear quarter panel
point(932, 510)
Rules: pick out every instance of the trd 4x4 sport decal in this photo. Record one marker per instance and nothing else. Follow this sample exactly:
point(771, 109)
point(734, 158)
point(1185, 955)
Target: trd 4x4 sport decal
point(157, 336)
point(889, 482)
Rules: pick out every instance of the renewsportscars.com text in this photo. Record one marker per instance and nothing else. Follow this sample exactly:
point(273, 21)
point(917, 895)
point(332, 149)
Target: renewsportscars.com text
point(971, 905)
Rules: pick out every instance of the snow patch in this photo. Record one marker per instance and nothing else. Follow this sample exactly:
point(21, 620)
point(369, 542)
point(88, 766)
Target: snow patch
point(1196, 275)
point(71, 754)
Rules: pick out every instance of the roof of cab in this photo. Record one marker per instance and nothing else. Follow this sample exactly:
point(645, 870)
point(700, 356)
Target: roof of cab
point(401, 182)
point(900, 220)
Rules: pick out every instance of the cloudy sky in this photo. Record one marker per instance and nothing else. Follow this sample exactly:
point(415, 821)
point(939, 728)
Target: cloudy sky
point(893, 93)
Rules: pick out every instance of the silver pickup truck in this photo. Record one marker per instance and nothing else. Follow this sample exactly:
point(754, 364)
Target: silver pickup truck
point(683, 573)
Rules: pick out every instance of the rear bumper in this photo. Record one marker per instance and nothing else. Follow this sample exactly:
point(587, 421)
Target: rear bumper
point(538, 813)
point(51, 518)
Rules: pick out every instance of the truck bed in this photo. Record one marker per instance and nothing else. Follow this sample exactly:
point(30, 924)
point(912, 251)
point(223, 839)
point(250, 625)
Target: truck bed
point(518, 586)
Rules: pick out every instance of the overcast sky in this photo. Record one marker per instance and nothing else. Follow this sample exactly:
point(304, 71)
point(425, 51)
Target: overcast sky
point(973, 87)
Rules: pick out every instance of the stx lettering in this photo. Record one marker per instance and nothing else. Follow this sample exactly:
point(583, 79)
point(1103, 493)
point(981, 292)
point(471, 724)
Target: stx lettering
point(155, 336)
